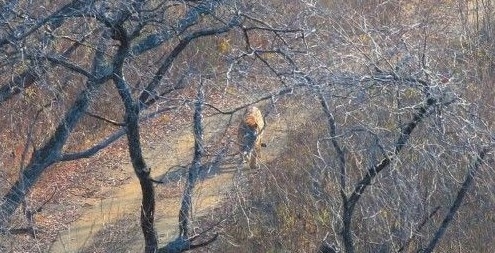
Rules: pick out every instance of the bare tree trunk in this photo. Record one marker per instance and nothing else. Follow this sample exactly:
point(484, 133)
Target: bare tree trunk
point(457, 202)
point(141, 170)
point(50, 153)
point(185, 210)
point(185, 240)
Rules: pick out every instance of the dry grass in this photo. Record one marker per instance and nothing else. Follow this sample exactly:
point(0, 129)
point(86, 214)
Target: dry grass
point(273, 209)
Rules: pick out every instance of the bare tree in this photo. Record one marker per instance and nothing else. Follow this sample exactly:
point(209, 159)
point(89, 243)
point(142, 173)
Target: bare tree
point(399, 135)
point(133, 45)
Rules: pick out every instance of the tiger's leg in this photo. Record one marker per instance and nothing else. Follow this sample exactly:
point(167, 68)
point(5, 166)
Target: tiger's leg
point(255, 156)
point(241, 138)
point(257, 147)
point(253, 163)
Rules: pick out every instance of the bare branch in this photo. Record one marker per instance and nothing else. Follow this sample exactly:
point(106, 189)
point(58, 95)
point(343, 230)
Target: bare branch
point(108, 140)
point(418, 228)
point(93, 150)
point(148, 91)
point(67, 10)
point(189, 19)
point(29, 76)
point(67, 65)
point(113, 122)
point(479, 159)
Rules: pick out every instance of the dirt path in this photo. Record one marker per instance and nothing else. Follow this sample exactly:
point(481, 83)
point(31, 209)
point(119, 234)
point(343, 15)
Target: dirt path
point(125, 201)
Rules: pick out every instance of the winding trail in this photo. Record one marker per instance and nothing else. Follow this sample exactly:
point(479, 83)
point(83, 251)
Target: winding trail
point(125, 200)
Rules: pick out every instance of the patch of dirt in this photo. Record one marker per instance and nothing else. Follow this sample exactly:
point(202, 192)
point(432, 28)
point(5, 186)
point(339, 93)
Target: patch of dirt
point(116, 209)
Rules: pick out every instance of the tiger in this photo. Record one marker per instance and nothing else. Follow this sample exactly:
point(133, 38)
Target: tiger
point(249, 136)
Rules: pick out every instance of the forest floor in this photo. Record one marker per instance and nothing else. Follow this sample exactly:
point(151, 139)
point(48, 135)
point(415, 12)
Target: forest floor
point(109, 221)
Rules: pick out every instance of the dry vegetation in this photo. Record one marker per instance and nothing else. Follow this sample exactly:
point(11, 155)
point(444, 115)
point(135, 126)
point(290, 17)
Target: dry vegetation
point(386, 108)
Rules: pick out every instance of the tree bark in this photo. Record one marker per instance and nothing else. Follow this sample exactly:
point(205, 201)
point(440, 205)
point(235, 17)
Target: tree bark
point(141, 170)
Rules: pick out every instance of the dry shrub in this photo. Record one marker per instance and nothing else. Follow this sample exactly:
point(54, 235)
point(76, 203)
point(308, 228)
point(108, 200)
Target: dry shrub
point(280, 210)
